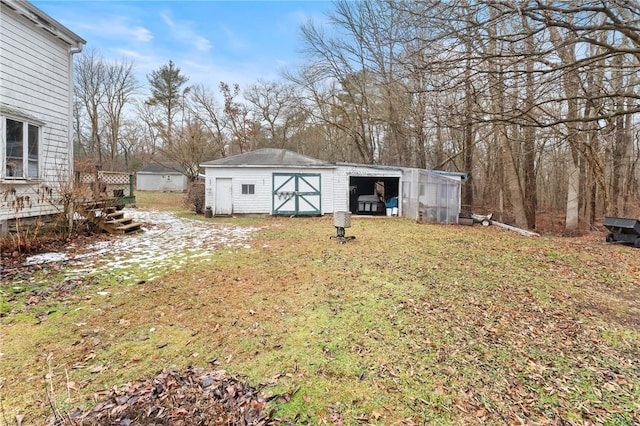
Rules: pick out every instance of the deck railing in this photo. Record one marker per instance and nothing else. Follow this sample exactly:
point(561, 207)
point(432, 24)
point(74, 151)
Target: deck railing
point(113, 185)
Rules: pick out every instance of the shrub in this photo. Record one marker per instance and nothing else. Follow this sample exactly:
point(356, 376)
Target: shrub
point(195, 196)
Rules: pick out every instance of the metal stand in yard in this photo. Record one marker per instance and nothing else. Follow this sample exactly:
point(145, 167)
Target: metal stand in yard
point(622, 230)
point(342, 220)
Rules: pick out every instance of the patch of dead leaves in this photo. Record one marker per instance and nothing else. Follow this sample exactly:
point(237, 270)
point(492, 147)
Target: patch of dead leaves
point(177, 398)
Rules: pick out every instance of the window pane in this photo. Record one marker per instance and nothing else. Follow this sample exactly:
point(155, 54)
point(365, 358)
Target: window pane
point(14, 134)
point(34, 136)
point(248, 189)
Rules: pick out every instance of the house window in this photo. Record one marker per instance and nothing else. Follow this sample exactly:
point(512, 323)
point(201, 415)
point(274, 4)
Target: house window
point(248, 189)
point(22, 145)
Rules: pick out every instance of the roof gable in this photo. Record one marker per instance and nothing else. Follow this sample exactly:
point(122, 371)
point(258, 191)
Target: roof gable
point(44, 21)
point(166, 168)
point(268, 157)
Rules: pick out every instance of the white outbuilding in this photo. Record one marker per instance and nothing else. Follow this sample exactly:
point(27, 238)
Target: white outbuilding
point(161, 177)
point(281, 182)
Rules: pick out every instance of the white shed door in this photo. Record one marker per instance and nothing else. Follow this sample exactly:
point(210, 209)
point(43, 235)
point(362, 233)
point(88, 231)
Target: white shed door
point(224, 200)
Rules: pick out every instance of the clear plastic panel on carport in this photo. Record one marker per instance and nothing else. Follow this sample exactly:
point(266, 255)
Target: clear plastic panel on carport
point(439, 198)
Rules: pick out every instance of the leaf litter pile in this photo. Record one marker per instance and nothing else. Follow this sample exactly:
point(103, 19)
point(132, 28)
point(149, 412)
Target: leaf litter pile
point(194, 396)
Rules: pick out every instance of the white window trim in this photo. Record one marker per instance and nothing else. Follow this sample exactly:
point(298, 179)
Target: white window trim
point(26, 121)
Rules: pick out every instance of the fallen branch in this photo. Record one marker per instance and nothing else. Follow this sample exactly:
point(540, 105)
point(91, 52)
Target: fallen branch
point(515, 229)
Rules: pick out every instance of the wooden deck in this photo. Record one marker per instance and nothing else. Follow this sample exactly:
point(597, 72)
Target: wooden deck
point(108, 193)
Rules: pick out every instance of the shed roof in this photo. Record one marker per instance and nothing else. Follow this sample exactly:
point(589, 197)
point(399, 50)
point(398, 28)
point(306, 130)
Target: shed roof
point(275, 157)
point(166, 168)
point(269, 157)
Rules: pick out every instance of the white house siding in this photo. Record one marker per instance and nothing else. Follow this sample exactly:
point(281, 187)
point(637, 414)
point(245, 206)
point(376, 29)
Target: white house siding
point(261, 201)
point(35, 80)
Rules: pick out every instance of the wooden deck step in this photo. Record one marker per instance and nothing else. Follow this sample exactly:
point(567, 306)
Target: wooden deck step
point(119, 221)
point(123, 225)
point(129, 228)
point(115, 215)
point(100, 211)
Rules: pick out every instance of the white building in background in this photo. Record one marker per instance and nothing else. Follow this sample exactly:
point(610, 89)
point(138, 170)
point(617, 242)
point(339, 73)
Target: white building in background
point(161, 177)
point(280, 182)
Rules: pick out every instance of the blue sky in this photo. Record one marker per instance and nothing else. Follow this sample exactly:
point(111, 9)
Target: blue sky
point(210, 41)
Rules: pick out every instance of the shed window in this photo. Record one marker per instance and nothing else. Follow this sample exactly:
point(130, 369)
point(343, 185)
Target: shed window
point(248, 189)
point(22, 147)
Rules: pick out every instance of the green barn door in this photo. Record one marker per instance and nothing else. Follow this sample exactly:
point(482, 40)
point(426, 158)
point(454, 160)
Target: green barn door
point(296, 194)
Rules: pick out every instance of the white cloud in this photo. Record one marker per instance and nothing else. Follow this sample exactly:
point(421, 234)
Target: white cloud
point(167, 20)
point(115, 28)
point(142, 34)
point(301, 16)
point(233, 41)
point(132, 54)
point(202, 44)
point(182, 31)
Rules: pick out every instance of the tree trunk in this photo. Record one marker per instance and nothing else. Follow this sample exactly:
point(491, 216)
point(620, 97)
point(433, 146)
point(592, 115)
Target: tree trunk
point(571, 82)
point(468, 137)
point(572, 216)
point(497, 91)
point(529, 143)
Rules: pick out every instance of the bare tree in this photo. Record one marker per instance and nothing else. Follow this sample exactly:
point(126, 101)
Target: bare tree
point(103, 92)
point(119, 90)
point(543, 88)
point(243, 129)
point(149, 117)
point(281, 111)
point(205, 109)
point(340, 59)
point(192, 146)
point(130, 144)
point(89, 85)
point(536, 101)
point(329, 123)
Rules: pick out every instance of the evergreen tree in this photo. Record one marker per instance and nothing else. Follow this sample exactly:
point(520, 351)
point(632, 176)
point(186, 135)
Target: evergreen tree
point(168, 96)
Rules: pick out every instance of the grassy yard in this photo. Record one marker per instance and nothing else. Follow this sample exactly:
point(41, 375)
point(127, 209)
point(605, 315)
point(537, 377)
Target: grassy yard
point(155, 200)
point(407, 324)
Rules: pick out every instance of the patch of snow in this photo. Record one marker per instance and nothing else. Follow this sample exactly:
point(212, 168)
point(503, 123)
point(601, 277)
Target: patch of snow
point(41, 258)
point(166, 243)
